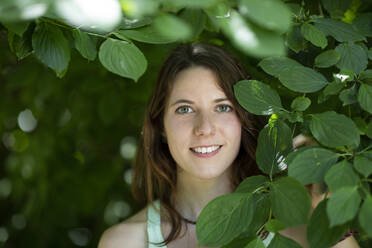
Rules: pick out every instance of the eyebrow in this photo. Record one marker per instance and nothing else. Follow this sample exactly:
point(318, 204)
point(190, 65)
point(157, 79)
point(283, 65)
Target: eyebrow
point(191, 102)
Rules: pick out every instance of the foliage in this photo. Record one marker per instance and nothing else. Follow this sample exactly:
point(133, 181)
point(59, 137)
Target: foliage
point(322, 88)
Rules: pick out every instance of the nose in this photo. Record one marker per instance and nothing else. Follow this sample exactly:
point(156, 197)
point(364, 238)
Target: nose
point(204, 125)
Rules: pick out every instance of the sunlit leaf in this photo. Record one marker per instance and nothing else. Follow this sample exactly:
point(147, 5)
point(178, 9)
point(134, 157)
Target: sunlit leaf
point(122, 58)
point(257, 98)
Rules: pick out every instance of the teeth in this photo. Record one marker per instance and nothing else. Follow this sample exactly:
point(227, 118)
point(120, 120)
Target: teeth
point(205, 149)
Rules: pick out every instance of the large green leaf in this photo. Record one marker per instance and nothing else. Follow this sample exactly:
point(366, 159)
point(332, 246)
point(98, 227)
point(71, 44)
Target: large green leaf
point(250, 184)
point(319, 234)
point(302, 79)
point(224, 218)
point(333, 129)
point(51, 47)
point(310, 165)
point(275, 65)
point(172, 27)
point(365, 216)
point(365, 97)
point(336, 8)
point(353, 57)
point(256, 243)
point(364, 24)
point(343, 205)
point(327, 58)
point(257, 98)
point(341, 175)
point(16, 27)
point(147, 34)
point(261, 213)
point(300, 103)
point(196, 18)
point(274, 143)
point(84, 44)
point(279, 241)
point(363, 165)
point(314, 35)
point(249, 38)
point(290, 201)
point(122, 58)
point(270, 14)
point(339, 30)
point(295, 40)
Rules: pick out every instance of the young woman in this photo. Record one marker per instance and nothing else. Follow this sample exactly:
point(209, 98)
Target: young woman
point(198, 143)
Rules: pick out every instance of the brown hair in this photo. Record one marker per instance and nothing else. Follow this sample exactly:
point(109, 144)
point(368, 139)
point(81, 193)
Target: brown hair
point(155, 171)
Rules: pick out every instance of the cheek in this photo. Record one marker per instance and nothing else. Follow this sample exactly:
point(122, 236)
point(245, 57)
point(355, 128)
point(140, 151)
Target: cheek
point(231, 127)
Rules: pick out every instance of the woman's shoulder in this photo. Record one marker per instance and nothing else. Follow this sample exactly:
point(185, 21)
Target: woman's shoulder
point(129, 233)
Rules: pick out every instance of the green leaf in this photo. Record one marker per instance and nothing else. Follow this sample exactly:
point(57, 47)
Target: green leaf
point(147, 34)
point(366, 76)
point(336, 8)
point(310, 165)
point(274, 143)
point(122, 58)
point(361, 125)
point(275, 65)
point(341, 175)
point(261, 213)
point(257, 98)
point(302, 79)
point(196, 19)
point(224, 218)
point(274, 226)
point(353, 57)
point(290, 201)
point(365, 216)
point(270, 14)
point(294, 39)
point(319, 234)
point(348, 96)
point(333, 129)
point(365, 97)
point(339, 30)
point(314, 35)
point(370, 53)
point(363, 165)
point(250, 184)
point(369, 129)
point(327, 59)
point(172, 27)
point(17, 27)
point(363, 24)
point(21, 46)
point(280, 241)
point(127, 23)
point(256, 243)
point(51, 47)
point(84, 44)
point(249, 38)
point(300, 103)
point(238, 242)
point(343, 205)
point(191, 3)
point(333, 88)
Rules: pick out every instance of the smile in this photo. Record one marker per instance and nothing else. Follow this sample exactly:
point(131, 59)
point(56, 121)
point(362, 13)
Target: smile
point(206, 151)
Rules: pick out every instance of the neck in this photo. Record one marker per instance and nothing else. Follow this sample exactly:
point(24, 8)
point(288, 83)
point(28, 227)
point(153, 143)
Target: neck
point(193, 194)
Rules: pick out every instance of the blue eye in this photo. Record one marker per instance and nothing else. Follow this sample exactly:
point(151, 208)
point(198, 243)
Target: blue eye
point(184, 110)
point(224, 108)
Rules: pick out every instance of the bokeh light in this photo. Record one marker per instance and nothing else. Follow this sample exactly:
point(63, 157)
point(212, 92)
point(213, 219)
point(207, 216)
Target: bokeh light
point(26, 121)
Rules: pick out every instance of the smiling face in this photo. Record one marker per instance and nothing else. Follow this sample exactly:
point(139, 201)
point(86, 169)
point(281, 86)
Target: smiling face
point(202, 129)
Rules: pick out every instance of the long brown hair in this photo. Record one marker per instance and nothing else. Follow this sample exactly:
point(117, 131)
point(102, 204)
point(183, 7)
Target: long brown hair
point(155, 171)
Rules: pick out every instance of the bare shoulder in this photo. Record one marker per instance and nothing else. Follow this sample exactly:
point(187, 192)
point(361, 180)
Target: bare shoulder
point(129, 233)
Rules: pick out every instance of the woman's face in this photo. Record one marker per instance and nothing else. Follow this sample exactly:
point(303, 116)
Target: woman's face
point(201, 127)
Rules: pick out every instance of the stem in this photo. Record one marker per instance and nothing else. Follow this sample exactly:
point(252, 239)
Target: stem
point(365, 149)
point(367, 180)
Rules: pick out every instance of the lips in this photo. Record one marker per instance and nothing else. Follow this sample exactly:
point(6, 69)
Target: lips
point(206, 151)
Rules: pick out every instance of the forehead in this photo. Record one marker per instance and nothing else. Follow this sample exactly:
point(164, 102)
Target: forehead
point(196, 82)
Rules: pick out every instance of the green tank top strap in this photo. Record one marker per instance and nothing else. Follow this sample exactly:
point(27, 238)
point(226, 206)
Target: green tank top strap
point(154, 225)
